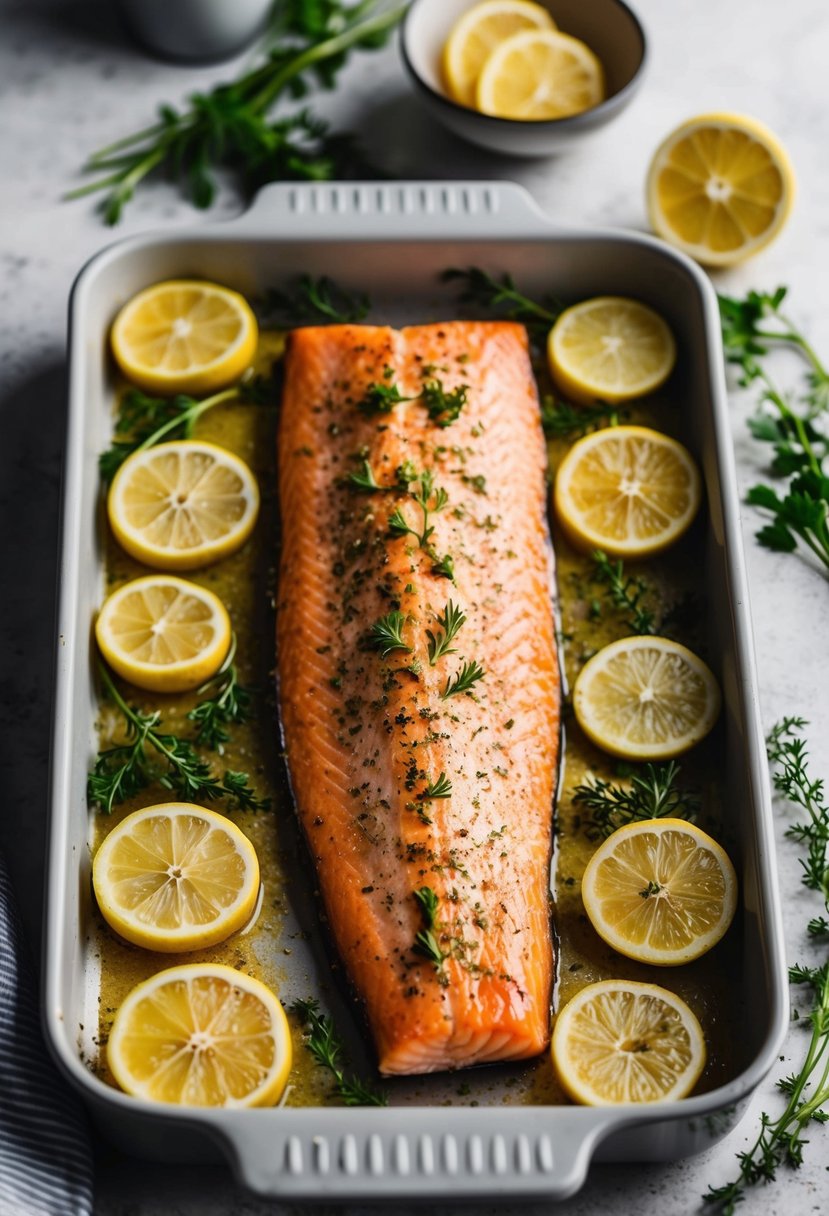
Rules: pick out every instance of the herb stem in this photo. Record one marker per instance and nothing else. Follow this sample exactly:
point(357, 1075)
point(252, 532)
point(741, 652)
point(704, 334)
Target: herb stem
point(189, 417)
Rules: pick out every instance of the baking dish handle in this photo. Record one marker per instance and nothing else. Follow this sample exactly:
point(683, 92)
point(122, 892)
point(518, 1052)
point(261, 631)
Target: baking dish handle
point(390, 210)
point(407, 1152)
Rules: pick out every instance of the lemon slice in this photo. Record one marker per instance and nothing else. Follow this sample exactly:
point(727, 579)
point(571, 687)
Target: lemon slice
point(475, 36)
point(628, 490)
point(176, 877)
point(619, 1041)
point(184, 336)
point(540, 74)
point(645, 698)
point(180, 505)
point(720, 188)
point(201, 1035)
point(163, 633)
point(660, 891)
point(610, 349)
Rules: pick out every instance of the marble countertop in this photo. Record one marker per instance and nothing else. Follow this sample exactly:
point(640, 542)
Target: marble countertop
point(70, 81)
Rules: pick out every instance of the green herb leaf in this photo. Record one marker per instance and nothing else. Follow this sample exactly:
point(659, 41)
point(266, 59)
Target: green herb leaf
point(441, 788)
point(450, 622)
point(327, 1049)
point(653, 792)
point(463, 680)
point(315, 300)
point(386, 634)
point(444, 407)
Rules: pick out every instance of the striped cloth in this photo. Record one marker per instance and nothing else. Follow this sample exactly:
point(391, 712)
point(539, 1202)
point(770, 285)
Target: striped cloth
point(45, 1158)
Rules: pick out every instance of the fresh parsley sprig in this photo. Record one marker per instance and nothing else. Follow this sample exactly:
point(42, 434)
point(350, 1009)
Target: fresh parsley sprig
point(327, 1049)
point(561, 420)
point(431, 500)
point(122, 771)
point(782, 1141)
point(230, 128)
point(228, 705)
point(450, 621)
point(151, 420)
point(386, 634)
point(313, 300)
point(383, 395)
point(444, 406)
point(653, 792)
point(751, 327)
point(364, 480)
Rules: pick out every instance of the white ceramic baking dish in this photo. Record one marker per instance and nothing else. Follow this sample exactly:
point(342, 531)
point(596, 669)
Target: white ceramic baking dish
point(392, 240)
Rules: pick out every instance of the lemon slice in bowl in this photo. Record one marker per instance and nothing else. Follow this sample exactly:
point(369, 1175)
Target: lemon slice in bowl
point(475, 36)
point(164, 634)
point(620, 1041)
point(180, 505)
point(720, 188)
point(660, 891)
point(611, 349)
point(201, 1035)
point(628, 490)
point(646, 698)
point(537, 75)
point(184, 336)
point(176, 877)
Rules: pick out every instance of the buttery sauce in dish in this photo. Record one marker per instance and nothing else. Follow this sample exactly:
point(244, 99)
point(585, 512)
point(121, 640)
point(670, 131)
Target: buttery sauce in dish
point(287, 945)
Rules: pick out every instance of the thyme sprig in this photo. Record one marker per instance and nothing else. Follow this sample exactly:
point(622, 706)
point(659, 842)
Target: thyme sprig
point(751, 327)
point(327, 1049)
point(386, 634)
point(230, 126)
point(626, 593)
point(561, 420)
point(228, 705)
point(450, 621)
point(782, 1141)
point(652, 792)
point(124, 770)
point(464, 680)
point(500, 295)
point(314, 300)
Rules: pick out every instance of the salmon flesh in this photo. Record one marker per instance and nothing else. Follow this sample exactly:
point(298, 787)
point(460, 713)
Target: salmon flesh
point(412, 493)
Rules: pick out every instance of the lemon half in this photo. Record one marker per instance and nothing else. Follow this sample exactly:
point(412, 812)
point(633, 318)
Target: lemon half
point(628, 490)
point(181, 505)
point(620, 1041)
point(184, 336)
point(176, 877)
point(201, 1035)
point(720, 187)
point(646, 698)
point(163, 633)
point(660, 891)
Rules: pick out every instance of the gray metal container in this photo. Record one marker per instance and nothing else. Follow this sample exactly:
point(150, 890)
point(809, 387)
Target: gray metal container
point(393, 240)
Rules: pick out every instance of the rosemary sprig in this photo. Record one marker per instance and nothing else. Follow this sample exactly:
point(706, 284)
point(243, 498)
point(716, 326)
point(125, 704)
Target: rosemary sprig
point(426, 943)
point(653, 792)
point(327, 1049)
point(561, 420)
point(800, 515)
point(463, 680)
point(501, 295)
point(123, 771)
point(444, 407)
point(781, 1141)
point(230, 128)
point(440, 788)
point(625, 592)
point(313, 301)
point(228, 705)
point(386, 634)
point(450, 622)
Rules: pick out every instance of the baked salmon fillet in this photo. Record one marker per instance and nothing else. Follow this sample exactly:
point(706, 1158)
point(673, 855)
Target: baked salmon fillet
point(418, 678)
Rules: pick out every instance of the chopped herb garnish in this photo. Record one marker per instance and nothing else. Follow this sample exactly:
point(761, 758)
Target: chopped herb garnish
point(382, 397)
point(444, 567)
point(450, 623)
point(444, 407)
point(463, 680)
point(386, 635)
point(327, 1049)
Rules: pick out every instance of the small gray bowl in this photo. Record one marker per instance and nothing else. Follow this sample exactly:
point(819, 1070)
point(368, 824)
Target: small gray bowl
point(608, 27)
